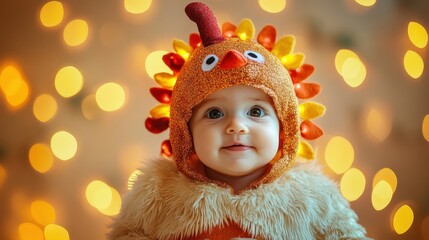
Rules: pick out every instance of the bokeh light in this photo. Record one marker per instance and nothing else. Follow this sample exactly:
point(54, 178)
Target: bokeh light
point(63, 145)
point(366, 3)
point(3, 175)
point(44, 107)
point(350, 67)
point(381, 195)
point(403, 219)
point(110, 96)
point(56, 232)
point(43, 212)
point(417, 34)
point(137, 6)
point(386, 174)
point(115, 204)
point(40, 157)
point(425, 127)
point(99, 194)
point(379, 123)
point(76, 32)
point(52, 14)
point(68, 81)
point(413, 64)
point(30, 231)
point(154, 63)
point(352, 184)
point(272, 6)
point(15, 89)
point(339, 154)
point(132, 178)
point(90, 109)
point(353, 72)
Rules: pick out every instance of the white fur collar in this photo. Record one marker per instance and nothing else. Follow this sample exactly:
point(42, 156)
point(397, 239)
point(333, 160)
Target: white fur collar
point(301, 204)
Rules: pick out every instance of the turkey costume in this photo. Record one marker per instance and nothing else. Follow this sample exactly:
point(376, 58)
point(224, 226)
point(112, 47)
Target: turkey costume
point(173, 198)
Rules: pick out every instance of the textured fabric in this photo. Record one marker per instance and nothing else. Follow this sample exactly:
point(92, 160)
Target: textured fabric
point(194, 85)
point(300, 204)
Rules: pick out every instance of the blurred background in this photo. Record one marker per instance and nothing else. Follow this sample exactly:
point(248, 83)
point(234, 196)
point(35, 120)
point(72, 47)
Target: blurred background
point(74, 97)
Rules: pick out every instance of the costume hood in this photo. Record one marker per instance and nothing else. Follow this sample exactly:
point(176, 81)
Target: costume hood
point(222, 59)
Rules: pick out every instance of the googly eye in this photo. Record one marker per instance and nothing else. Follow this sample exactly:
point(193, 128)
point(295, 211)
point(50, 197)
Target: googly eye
point(254, 56)
point(209, 62)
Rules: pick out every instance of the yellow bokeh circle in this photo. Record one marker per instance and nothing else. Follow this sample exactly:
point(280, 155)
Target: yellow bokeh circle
point(68, 81)
point(403, 219)
point(366, 3)
point(137, 6)
point(110, 97)
point(42, 212)
point(381, 195)
point(413, 64)
point(44, 107)
point(272, 6)
point(40, 157)
point(63, 145)
point(352, 184)
point(30, 231)
point(76, 32)
point(417, 34)
point(56, 232)
point(339, 154)
point(52, 14)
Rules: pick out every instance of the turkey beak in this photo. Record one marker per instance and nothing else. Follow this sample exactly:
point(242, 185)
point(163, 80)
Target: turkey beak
point(233, 59)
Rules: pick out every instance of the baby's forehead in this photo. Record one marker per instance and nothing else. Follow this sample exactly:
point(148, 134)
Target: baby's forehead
point(234, 94)
point(239, 92)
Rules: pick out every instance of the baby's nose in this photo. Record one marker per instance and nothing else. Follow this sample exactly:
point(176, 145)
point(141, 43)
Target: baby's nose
point(237, 126)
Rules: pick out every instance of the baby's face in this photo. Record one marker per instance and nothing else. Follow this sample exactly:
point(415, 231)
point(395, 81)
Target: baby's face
point(235, 130)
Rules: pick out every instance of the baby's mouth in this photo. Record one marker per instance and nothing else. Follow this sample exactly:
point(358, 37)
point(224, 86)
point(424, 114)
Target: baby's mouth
point(237, 147)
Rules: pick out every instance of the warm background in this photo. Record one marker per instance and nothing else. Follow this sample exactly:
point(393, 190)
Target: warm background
point(67, 151)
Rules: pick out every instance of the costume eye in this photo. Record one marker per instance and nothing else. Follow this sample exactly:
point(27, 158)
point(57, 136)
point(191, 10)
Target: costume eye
point(214, 113)
point(256, 111)
point(209, 62)
point(255, 56)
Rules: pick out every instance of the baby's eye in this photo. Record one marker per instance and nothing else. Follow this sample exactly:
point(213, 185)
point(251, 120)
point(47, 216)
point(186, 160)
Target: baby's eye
point(214, 114)
point(254, 56)
point(256, 112)
point(209, 62)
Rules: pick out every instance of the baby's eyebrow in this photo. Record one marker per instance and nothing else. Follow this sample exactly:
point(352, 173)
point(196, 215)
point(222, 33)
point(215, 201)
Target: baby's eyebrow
point(207, 100)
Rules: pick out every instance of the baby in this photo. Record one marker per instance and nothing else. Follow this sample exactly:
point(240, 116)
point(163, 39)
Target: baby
point(234, 132)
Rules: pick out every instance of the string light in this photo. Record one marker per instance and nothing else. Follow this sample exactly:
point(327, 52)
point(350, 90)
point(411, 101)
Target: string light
point(339, 154)
point(272, 6)
point(52, 14)
point(45, 107)
point(413, 64)
point(43, 212)
point(40, 157)
point(30, 231)
point(76, 32)
point(137, 6)
point(154, 64)
point(352, 184)
point(381, 195)
point(56, 232)
point(68, 81)
point(63, 145)
point(417, 34)
point(110, 97)
point(403, 219)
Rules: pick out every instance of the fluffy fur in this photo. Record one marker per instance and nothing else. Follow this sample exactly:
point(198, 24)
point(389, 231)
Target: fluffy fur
point(301, 204)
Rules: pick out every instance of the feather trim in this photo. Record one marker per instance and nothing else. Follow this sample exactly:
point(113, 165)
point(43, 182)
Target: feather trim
point(301, 204)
